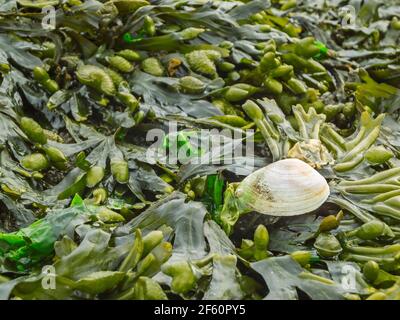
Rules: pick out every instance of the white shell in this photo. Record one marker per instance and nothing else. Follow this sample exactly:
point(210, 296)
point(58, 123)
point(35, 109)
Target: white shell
point(284, 188)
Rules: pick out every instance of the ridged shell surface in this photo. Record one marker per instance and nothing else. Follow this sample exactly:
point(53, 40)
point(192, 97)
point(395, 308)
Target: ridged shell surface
point(284, 188)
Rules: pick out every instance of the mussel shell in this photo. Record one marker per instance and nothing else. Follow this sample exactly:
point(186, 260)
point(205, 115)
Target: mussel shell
point(284, 188)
